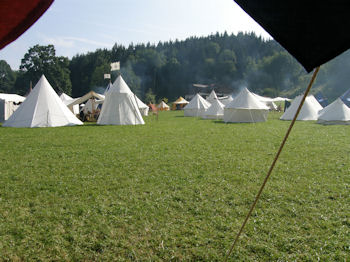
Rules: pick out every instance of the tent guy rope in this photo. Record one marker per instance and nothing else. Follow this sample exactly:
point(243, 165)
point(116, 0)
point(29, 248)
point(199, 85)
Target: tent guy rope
point(274, 161)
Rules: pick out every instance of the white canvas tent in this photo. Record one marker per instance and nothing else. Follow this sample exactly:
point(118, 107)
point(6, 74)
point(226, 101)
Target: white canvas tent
point(8, 104)
point(309, 110)
point(142, 106)
point(226, 99)
point(42, 108)
point(212, 96)
point(270, 102)
point(215, 111)
point(196, 107)
point(245, 108)
point(336, 113)
point(119, 106)
point(66, 99)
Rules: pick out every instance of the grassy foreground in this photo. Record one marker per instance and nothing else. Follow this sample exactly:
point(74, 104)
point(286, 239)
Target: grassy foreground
point(174, 189)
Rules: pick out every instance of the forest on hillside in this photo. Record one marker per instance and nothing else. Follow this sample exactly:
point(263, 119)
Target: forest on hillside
point(169, 69)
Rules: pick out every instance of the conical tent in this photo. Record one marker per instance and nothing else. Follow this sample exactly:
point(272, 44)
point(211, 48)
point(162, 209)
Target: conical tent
point(42, 108)
point(212, 96)
point(245, 108)
point(197, 106)
point(163, 106)
point(120, 106)
point(309, 110)
point(215, 111)
point(336, 113)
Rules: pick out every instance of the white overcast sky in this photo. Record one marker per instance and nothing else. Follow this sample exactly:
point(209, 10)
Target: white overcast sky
point(79, 26)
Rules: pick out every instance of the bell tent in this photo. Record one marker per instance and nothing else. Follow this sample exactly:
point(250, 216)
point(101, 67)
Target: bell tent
point(197, 106)
point(245, 108)
point(215, 111)
point(42, 108)
point(336, 113)
point(120, 106)
point(309, 110)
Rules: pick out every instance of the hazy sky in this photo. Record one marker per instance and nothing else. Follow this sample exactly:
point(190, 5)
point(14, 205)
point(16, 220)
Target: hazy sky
point(79, 26)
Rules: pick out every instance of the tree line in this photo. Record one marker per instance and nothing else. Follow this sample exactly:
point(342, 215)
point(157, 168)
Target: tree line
point(169, 69)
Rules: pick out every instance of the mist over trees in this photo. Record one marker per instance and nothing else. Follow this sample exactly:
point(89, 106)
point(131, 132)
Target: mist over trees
point(169, 69)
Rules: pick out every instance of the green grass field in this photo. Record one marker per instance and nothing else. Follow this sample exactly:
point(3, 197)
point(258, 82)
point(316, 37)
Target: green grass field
point(174, 189)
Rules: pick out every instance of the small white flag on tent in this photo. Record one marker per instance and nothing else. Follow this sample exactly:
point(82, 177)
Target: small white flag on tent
point(115, 66)
point(107, 76)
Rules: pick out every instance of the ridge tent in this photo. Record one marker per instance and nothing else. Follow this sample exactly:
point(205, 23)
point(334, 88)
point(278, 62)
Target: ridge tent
point(120, 106)
point(8, 104)
point(86, 97)
point(42, 108)
point(163, 106)
point(66, 99)
point(212, 96)
point(196, 107)
point(226, 100)
point(215, 111)
point(309, 110)
point(245, 108)
point(267, 101)
point(336, 113)
point(180, 103)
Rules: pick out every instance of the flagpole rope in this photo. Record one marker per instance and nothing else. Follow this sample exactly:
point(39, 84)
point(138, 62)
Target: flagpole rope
point(274, 161)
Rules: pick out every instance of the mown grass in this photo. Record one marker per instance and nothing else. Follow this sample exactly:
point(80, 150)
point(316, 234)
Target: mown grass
point(174, 189)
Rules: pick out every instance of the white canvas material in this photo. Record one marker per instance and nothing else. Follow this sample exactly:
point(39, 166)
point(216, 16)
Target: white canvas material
point(196, 107)
point(212, 96)
point(245, 108)
point(142, 106)
point(42, 108)
point(226, 100)
point(309, 110)
point(215, 111)
point(119, 106)
point(8, 104)
point(336, 113)
point(66, 99)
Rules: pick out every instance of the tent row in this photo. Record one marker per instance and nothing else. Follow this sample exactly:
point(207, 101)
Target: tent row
point(248, 107)
point(244, 108)
point(44, 108)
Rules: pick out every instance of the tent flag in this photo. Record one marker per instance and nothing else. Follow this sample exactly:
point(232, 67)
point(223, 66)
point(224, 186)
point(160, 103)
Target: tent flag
point(115, 66)
point(299, 26)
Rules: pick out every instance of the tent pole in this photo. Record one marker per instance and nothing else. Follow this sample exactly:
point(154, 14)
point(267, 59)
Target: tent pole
point(274, 161)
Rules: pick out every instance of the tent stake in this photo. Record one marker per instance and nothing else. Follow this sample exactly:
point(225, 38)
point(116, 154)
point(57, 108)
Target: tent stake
point(274, 162)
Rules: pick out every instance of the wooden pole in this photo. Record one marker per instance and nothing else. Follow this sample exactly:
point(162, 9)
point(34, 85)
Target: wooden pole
point(274, 161)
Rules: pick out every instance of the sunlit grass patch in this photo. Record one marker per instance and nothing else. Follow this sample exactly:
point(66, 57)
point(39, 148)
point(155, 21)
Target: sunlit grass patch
point(177, 188)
